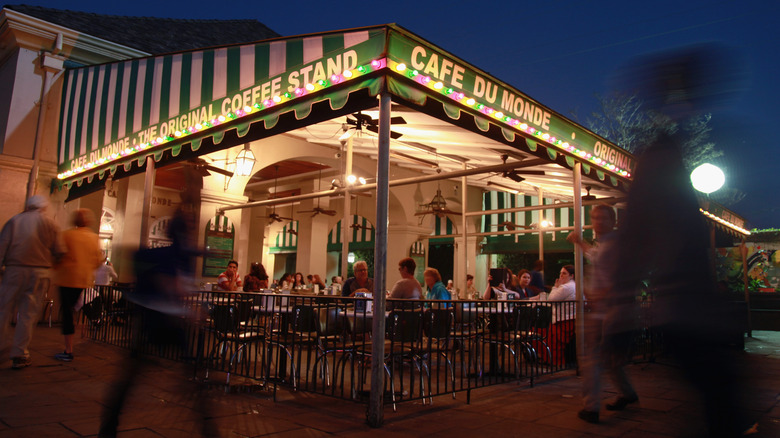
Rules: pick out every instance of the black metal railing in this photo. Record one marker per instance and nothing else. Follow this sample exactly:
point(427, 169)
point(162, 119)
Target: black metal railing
point(323, 344)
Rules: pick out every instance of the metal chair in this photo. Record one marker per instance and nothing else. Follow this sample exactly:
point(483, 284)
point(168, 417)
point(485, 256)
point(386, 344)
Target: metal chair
point(232, 335)
point(437, 328)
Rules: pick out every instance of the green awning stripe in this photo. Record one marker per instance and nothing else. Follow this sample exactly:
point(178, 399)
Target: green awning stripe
point(233, 76)
point(146, 101)
point(207, 77)
point(166, 101)
point(80, 97)
point(129, 105)
point(106, 105)
point(64, 110)
point(86, 131)
point(184, 89)
point(95, 97)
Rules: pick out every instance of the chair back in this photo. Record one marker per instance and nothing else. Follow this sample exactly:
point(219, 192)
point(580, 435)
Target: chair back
point(465, 313)
point(525, 317)
point(303, 320)
point(404, 326)
point(223, 318)
point(437, 323)
point(330, 321)
point(544, 316)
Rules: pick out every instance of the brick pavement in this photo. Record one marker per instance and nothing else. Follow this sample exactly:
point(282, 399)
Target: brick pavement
point(55, 399)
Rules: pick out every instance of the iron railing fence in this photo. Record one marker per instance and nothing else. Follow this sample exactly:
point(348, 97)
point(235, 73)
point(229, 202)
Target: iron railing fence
point(323, 344)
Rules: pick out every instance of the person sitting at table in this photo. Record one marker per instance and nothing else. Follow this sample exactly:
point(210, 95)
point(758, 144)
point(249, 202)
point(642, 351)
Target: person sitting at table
point(504, 286)
point(471, 291)
point(257, 279)
point(299, 282)
point(286, 282)
point(524, 284)
point(407, 287)
point(317, 280)
point(436, 289)
point(562, 328)
point(230, 280)
point(360, 282)
point(537, 278)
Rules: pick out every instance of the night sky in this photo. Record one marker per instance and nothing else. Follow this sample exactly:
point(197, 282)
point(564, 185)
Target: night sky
point(562, 53)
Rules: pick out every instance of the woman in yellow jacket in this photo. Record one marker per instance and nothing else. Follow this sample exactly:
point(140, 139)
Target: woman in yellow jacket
point(75, 272)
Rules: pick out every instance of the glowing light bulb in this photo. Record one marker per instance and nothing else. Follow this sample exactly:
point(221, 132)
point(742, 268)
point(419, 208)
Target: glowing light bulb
point(277, 99)
point(375, 63)
point(438, 85)
point(351, 179)
point(221, 118)
point(499, 115)
point(400, 67)
point(707, 178)
point(310, 87)
point(347, 74)
point(470, 101)
point(247, 109)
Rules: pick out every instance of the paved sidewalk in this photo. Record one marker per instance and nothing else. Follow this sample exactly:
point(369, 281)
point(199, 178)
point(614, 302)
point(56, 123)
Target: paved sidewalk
point(55, 399)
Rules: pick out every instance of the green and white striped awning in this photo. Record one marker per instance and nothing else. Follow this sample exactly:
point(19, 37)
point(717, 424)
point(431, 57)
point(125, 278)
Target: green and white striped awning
point(554, 240)
point(417, 248)
point(286, 242)
point(220, 223)
point(361, 237)
point(181, 105)
point(442, 226)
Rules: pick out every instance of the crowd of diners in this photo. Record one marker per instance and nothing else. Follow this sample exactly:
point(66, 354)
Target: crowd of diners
point(525, 285)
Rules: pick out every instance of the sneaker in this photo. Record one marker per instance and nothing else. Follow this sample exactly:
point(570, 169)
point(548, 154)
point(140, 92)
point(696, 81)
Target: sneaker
point(589, 416)
point(65, 357)
point(621, 403)
point(20, 362)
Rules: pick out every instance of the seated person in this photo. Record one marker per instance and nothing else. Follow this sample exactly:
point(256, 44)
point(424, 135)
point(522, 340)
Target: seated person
point(524, 284)
point(407, 287)
point(257, 279)
point(286, 282)
point(563, 314)
point(317, 280)
point(230, 280)
point(471, 291)
point(436, 289)
point(537, 279)
point(504, 286)
point(360, 282)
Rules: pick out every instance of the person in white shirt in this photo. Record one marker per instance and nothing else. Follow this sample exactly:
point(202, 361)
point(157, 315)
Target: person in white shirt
point(105, 273)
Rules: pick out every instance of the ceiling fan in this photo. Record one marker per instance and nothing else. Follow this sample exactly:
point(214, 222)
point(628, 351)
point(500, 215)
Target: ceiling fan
point(360, 121)
point(588, 197)
point(511, 226)
point(437, 206)
point(317, 210)
point(514, 174)
point(204, 168)
point(356, 225)
point(292, 230)
point(273, 216)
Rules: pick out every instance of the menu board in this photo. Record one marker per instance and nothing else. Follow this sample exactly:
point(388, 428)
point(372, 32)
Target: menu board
point(219, 251)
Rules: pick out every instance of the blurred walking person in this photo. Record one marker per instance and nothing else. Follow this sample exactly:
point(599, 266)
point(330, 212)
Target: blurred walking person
point(29, 245)
point(163, 278)
point(609, 320)
point(75, 272)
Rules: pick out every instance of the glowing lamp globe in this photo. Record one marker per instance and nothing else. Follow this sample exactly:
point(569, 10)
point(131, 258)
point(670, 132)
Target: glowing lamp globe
point(707, 178)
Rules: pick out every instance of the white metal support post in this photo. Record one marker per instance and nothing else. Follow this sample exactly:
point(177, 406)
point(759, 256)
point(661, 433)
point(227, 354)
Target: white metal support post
point(461, 281)
point(147, 207)
point(579, 262)
point(375, 406)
